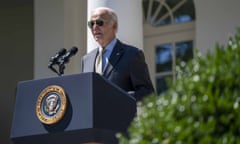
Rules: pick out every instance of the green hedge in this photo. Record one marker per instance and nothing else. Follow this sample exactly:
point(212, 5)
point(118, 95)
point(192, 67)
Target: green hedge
point(202, 107)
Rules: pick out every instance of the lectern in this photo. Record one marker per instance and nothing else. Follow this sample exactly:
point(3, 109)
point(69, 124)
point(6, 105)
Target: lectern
point(71, 109)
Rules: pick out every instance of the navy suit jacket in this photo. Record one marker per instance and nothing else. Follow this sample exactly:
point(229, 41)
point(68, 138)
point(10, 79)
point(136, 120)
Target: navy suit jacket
point(126, 68)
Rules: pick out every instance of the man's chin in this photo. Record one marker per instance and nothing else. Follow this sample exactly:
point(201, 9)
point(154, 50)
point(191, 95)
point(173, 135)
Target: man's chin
point(98, 36)
point(98, 40)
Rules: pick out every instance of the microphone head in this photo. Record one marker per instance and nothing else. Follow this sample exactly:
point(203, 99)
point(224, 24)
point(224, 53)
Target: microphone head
point(74, 50)
point(55, 58)
point(70, 53)
point(62, 51)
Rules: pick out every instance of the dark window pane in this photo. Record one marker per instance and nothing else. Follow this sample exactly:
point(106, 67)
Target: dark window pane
point(154, 7)
point(185, 13)
point(184, 50)
point(163, 83)
point(164, 57)
point(145, 8)
point(166, 20)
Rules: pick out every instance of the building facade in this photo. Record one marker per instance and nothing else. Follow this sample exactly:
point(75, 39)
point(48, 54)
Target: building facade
point(167, 31)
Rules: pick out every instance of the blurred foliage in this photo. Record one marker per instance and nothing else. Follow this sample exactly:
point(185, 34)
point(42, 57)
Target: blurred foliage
point(203, 107)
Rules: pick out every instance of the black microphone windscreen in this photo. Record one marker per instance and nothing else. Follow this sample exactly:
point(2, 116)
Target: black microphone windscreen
point(62, 51)
point(74, 50)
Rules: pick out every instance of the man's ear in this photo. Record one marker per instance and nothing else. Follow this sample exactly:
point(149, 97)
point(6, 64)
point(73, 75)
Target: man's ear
point(115, 26)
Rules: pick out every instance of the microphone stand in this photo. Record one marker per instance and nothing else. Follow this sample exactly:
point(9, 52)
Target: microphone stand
point(61, 68)
point(54, 70)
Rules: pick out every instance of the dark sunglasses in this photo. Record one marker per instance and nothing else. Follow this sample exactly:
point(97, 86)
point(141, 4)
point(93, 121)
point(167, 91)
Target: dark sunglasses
point(98, 22)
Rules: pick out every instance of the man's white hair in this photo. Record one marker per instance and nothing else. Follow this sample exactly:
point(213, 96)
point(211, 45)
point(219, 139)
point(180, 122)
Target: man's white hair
point(111, 13)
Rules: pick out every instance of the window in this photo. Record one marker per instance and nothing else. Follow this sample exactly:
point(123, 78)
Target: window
point(169, 33)
point(165, 12)
point(167, 57)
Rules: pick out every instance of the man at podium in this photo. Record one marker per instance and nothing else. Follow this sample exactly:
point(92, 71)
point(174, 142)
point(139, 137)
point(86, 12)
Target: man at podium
point(122, 64)
point(85, 107)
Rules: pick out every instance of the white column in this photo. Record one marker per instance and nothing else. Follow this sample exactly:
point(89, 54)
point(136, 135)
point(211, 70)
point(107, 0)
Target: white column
point(48, 34)
point(75, 31)
point(58, 24)
point(130, 29)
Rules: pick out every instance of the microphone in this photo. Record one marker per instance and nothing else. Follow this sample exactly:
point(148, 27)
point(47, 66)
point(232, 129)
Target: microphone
point(65, 58)
point(54, 59)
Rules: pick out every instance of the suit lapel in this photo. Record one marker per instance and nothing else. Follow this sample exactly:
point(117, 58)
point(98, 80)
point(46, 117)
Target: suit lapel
point(117, 53)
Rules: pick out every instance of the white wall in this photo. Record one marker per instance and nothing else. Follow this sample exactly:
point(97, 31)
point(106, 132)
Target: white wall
point(215, 21)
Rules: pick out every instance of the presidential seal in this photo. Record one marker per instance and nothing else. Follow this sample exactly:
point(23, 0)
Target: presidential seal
point(51, 104)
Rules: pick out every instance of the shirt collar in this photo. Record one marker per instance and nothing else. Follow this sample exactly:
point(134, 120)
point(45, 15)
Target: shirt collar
point(111, 45)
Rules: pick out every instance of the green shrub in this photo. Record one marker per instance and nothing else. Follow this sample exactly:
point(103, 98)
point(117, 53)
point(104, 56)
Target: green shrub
point(202, 107)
